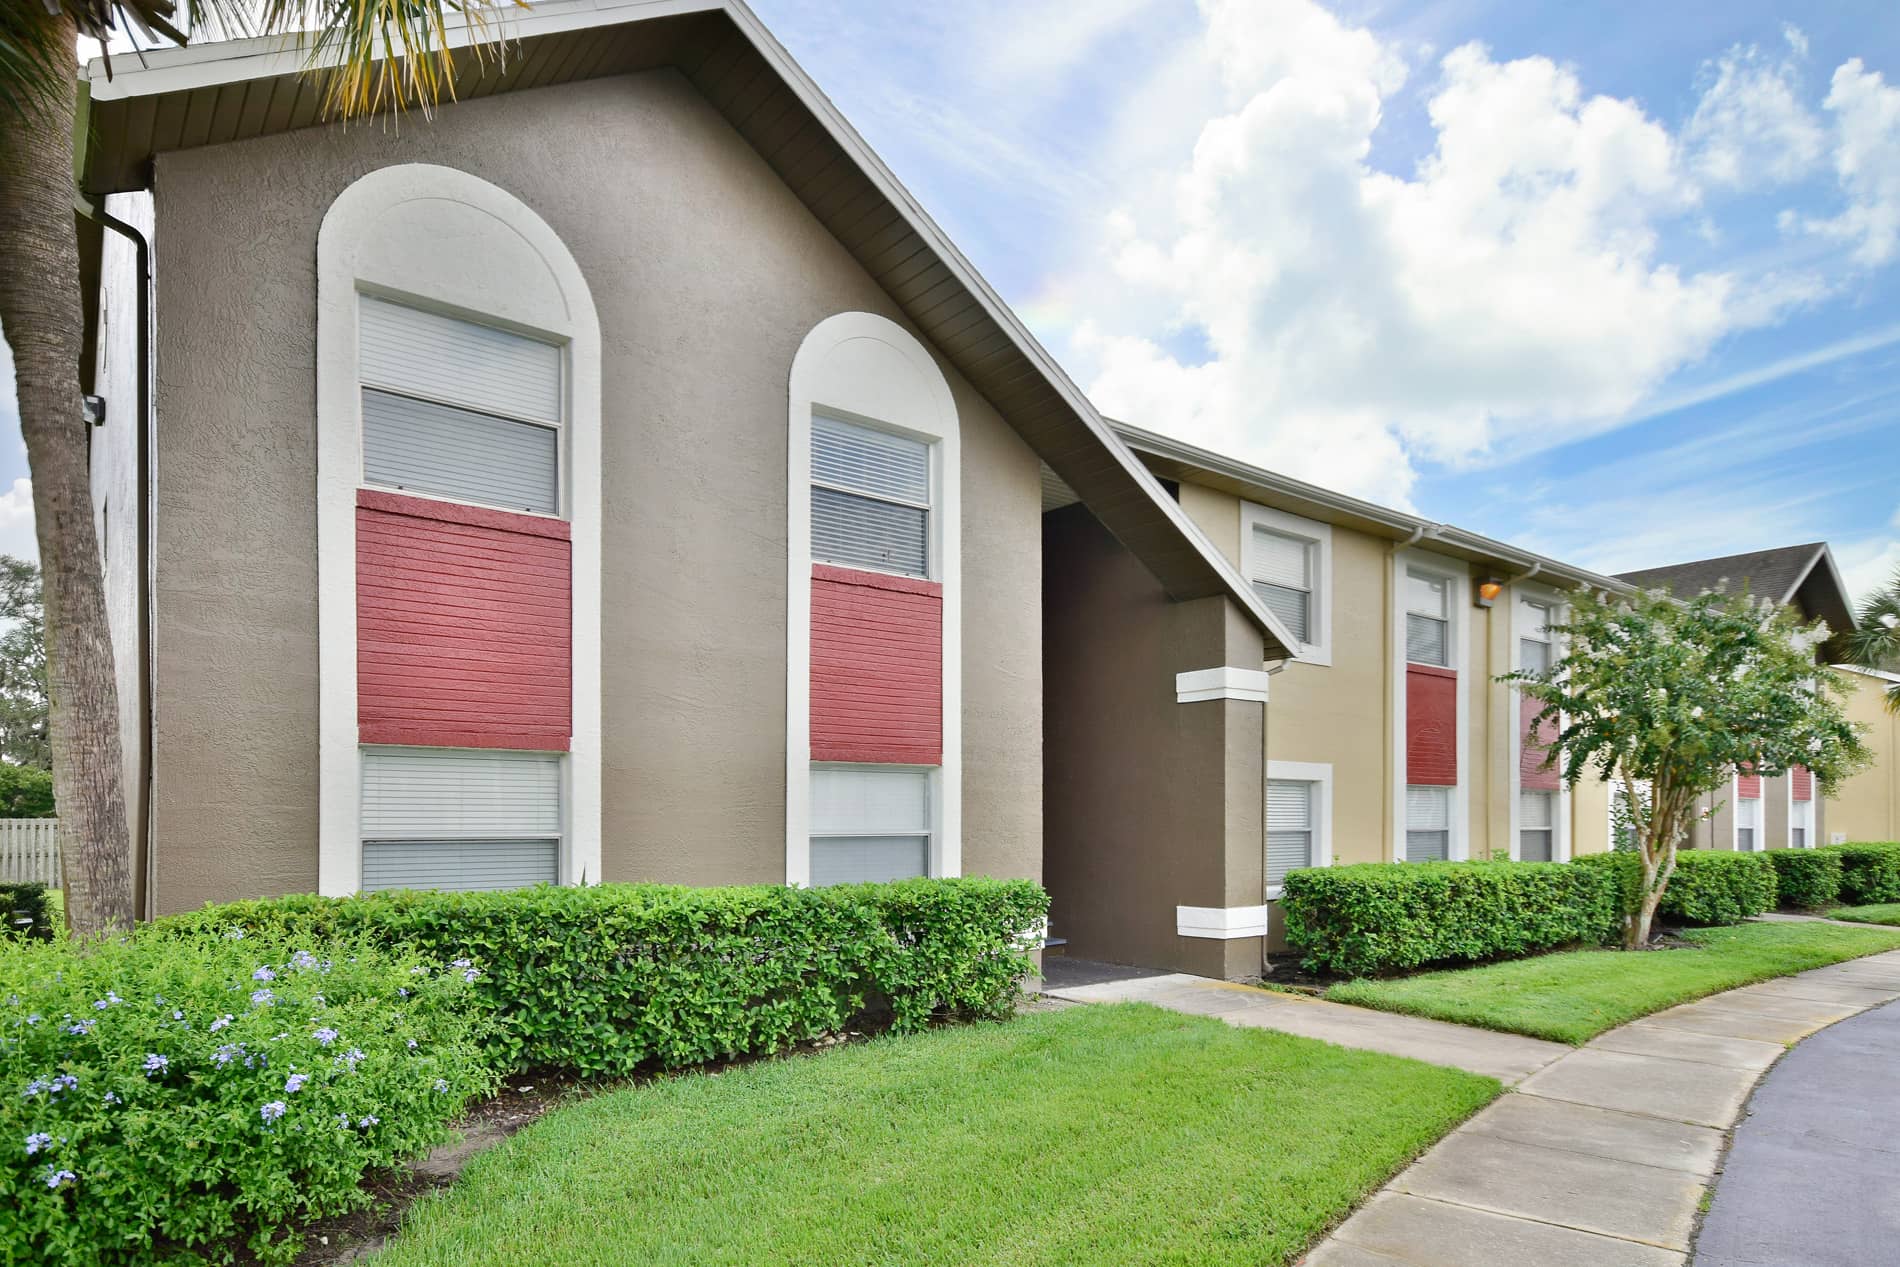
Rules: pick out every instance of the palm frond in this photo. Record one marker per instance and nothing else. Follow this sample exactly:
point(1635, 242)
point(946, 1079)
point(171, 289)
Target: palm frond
point(32, 58)
point(1875, 644)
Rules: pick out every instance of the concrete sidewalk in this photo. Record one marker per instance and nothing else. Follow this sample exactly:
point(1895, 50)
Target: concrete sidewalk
point(1599, 1155)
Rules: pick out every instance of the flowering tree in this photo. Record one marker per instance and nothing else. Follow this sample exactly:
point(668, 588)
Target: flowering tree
point(1665, 700)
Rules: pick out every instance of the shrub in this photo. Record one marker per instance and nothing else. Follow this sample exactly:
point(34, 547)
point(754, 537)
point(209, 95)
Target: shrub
point(1870, 871)
point(606, 979)
point(25, 791)
point(159, 1096)
point(1708, 886)
point(1382, 917)
point(1806, 878)
point(26, 912)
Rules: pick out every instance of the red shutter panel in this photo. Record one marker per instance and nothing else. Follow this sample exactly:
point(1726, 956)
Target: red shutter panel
point(876, 667)
point(1534, 742)
point(1431, 726)
point(1801, 782)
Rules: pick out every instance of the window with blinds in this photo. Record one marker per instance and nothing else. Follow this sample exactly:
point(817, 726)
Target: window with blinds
point(1291, 827)
point(1747, 823)
point(1427, 824)
point(460, 818)
point(1282, 574)
point(1800, 823)
point(460, 410)
point(870, 498)
point(1427, 619)
point(869, 824)
point(1536, 826)
point(1534, 652)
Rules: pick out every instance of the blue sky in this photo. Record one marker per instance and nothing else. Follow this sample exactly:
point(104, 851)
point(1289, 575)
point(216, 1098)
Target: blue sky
point(1617, 282)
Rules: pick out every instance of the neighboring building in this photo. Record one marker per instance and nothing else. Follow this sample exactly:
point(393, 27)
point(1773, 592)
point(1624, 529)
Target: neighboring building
point(1390, 737)
point(617, 476)
point(1866, 806)
point(1787, 812)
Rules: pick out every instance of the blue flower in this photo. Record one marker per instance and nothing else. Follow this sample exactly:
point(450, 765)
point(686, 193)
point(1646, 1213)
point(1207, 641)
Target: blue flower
point(274, 1110)
point(369, 1121)
point(262, 998)
point(303, 960)
point(350, 1059)
point(178, 1016)
point(34, 1019)
point(38, 1086)
point(58, 1178)
point(36, 1141)
point(155, 1063)
point(236, 934)
point(81, 1027)
point(325, 1036)
point(294, 1083)
point(63, 1082)
point(343, 1121)
point(111, 1098)
point(263, 974)
point(442, 1086)
point(413, 1044)
point(221, 1022)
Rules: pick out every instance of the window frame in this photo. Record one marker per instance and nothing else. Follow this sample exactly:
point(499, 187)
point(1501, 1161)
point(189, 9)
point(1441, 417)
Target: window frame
point(933, 811)
point(1318, 775)
point(1450, 827)
point(933, 446)
point(1457, 575)
point(1807, 816)
point(1317, 647)
point(1552, 601)
point(561, 837)
point(562, 427)
point(1755, 829)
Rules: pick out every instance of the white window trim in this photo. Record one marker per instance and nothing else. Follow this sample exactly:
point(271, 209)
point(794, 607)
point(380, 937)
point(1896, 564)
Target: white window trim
point(1813, 817)
point(1458, 574)
point(1560, 845)
point(869, 369)
point(378, 236)
point(1735, 818)
point(1319, 616)
point(1320, 775)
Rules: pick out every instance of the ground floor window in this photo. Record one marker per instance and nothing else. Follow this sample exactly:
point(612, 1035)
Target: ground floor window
point(1427, 824)
point(1291, 826)
point(460, 818)
point(869, 823)
point(1801, 824)
point(1536, 825)
point(1748, 823)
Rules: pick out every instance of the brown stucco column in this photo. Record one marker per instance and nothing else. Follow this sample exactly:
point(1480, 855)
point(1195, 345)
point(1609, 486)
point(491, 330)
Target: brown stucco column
point(1152, 803)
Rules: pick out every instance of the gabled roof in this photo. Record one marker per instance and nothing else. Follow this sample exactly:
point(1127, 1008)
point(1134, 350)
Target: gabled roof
point(182, 98)
point(1803, 575)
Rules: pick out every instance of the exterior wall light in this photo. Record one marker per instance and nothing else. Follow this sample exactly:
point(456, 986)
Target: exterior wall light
point(1487, 592)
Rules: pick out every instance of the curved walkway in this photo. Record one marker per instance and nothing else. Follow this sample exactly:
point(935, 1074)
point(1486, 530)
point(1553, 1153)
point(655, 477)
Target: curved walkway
point(1811, 1175)
point(1599, 1155)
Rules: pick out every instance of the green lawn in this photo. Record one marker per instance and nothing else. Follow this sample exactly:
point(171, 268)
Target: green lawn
point(1105, 1134)
point(1883, 913)
point(1574, 996)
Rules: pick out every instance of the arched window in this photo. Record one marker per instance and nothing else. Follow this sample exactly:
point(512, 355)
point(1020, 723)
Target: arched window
point(458, 539)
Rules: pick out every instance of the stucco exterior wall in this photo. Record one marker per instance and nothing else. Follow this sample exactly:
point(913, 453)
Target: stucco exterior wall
point(1150, 804)
point(1866, 806)
point(707, 272)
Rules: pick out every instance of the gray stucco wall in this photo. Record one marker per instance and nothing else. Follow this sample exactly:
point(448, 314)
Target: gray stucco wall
point(1150, 804)
point(707, 273)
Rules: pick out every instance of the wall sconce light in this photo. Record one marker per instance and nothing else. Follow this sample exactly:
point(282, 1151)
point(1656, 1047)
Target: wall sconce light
point(1487, 592)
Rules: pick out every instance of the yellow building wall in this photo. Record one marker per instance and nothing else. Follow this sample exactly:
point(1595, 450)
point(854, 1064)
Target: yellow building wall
point(1867, 805)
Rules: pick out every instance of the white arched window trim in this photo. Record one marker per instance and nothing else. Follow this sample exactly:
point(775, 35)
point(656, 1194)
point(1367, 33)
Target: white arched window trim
point(410, 231)
point(870, 368)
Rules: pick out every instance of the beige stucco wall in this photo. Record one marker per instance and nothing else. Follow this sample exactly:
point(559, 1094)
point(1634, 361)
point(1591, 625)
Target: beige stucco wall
point(1342, 713)
point(1150, 803)
point(1867, 805)
point(706, 272)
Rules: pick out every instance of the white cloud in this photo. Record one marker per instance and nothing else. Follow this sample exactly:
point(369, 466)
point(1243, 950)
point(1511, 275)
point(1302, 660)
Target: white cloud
point(1867, 160)
point(16, 521)
point(1750, 126)
point(1510, 288)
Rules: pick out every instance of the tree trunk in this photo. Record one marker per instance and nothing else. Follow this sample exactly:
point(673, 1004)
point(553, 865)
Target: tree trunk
point(41, 317)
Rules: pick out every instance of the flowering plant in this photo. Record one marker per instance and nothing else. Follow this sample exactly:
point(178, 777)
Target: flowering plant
point(154, 1101)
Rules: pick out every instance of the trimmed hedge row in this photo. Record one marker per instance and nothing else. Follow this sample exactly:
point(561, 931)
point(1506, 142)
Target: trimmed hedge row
point(1870, 871)
point(1383, 917)
point(606, 979)
point(1708, 887)
point(1806, 878)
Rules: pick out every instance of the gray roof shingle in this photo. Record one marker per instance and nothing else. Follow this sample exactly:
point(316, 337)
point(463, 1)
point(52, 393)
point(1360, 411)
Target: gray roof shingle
point(1764, 573)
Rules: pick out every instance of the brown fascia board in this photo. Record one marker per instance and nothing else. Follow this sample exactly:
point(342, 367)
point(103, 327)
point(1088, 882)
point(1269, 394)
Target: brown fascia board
point(1177, 459)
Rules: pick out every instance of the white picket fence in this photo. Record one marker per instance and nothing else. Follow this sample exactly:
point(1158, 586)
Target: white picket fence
point(29, 851)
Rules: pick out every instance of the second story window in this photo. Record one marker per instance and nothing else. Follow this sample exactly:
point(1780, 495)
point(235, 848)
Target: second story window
point(1427, 619)
point(870, 498)
point(1282, 574)
point(1534, 651)
point(459, 410)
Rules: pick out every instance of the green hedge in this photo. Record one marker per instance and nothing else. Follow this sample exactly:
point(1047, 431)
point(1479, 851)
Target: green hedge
point(1870, 871)
point(26, 912)
point(1709, 886)
point(606, 979)
point(163, 1099)
point(1806, 878)
point(1385, 917)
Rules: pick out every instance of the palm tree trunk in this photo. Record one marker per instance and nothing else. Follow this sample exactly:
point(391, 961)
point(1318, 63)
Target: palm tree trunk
point(41, 316)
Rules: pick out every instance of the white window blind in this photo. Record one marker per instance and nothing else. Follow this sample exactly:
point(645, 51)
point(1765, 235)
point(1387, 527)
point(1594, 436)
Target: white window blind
point(1536, 825)
point(1747, 823)
point(1427, 620)
point(1801, 824)
point(1533, 643)
point(1283, 577)
point(457, 818)
point(1290, 827)
point(456, 409)
point(869, 824)
point(870, 498)
point(1427, 824)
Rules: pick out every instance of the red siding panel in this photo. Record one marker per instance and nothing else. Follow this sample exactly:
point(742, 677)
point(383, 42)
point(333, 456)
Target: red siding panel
point(1431, 726)
point(1801, 783)
point(1748, 786)
point(876, 668)
point(1533, 742)
point(464, 625)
